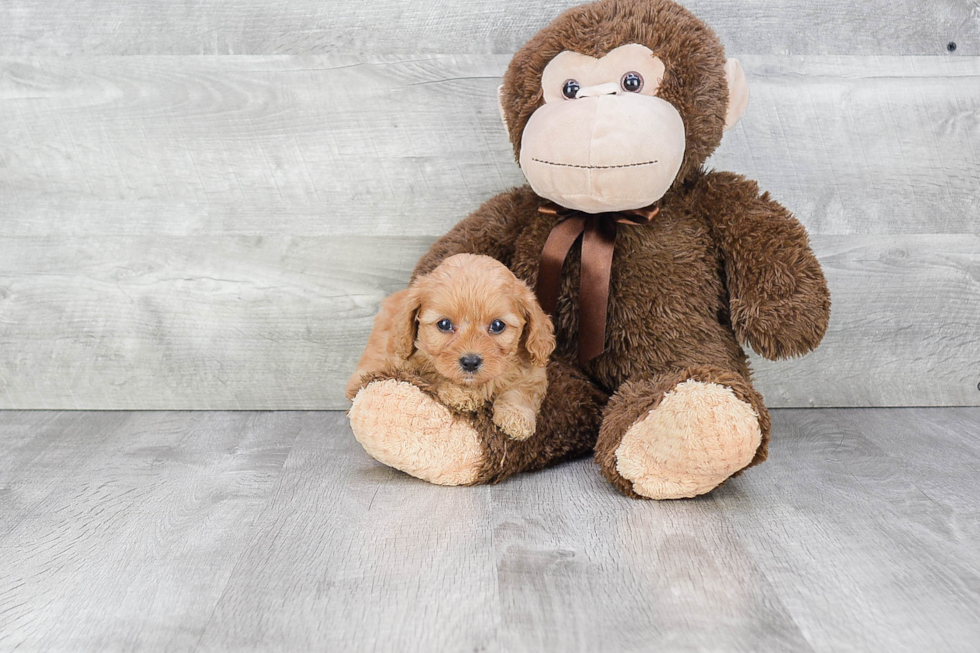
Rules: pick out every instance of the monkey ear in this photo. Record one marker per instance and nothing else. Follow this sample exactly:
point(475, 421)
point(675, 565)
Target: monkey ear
point(738, 92)
point(500, 106)
point(406, 323)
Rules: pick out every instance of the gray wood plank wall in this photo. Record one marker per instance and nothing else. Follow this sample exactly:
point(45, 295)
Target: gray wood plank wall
point(216, 229)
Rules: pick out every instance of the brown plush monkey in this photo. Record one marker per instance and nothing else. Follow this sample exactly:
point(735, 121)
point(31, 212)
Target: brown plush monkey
point(612, 110)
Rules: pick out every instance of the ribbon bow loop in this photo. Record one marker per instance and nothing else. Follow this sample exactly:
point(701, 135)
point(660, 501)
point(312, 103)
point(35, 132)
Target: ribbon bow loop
point(598, 231)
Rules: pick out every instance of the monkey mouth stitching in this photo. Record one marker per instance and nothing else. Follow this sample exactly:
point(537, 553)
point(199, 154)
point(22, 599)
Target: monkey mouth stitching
point(573, 165)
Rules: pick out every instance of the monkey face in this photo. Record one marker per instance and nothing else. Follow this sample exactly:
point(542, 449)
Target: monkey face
point(602, 103)
point(603, 140)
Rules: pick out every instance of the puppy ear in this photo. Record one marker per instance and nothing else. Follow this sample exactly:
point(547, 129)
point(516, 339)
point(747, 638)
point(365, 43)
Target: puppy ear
point(406, 322)
point(538, 338)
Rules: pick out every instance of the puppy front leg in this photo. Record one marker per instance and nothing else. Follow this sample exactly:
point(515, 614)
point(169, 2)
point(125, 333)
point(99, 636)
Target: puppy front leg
point(515, 411)
point(458, 397)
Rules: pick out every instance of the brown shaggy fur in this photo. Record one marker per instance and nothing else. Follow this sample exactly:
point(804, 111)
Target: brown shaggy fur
point(571, 433)
point(721, 265)
point(504, 456)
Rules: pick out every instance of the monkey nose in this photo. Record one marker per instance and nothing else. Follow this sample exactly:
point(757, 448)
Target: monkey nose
point(611, 88)
point(470, 362)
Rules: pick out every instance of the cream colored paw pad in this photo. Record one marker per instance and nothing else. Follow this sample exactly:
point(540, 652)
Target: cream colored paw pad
point(402, 427)
point(698, 436)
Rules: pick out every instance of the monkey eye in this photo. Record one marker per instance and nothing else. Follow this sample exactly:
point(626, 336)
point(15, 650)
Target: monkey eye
point(570, 89)
point(631, 82)
point(444, 325)
point(497, 326)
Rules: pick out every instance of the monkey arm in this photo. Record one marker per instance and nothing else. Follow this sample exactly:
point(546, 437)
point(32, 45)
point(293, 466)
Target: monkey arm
point(490, 230)
point(779, 301)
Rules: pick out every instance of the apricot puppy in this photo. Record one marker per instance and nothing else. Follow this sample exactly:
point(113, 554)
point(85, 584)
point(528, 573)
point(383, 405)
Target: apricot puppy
point(475, 333)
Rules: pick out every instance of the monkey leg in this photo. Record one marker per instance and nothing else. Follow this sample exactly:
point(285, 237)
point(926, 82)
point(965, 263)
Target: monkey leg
point(567, 427)
point(682, 433)
point(399, 421)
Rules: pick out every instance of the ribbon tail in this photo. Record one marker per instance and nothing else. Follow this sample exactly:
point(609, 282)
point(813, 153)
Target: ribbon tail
point(560, 240)
point(597, 254)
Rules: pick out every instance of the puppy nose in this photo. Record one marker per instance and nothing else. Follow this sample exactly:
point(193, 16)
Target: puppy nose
point(470, 362)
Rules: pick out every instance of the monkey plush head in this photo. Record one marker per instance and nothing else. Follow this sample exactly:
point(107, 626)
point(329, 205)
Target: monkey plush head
point(615, 101)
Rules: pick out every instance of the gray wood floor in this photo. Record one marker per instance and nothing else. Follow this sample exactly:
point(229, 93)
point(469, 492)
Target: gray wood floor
point(274, 531)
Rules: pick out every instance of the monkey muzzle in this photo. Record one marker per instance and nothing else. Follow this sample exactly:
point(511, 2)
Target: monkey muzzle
point(603, 152)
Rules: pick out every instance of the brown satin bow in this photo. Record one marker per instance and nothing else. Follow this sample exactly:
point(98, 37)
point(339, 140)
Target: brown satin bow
point(597, 253)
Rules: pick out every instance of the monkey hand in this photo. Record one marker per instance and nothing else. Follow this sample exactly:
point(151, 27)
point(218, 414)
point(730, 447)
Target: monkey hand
point(783, 323)
point(779, 302)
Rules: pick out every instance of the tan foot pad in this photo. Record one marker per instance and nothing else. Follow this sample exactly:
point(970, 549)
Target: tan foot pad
point(402, 427)
point(698, 436)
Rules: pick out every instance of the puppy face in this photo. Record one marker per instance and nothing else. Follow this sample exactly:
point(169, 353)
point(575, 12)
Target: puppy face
point(475, 320)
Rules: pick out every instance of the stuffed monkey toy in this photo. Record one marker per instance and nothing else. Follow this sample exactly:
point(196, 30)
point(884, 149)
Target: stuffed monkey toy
point(654, 269)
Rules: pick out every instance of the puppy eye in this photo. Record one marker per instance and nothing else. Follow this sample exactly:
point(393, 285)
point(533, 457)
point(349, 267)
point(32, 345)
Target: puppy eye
point(570, 89)
point(444, 325)
point(497, 327)
point(631, 82)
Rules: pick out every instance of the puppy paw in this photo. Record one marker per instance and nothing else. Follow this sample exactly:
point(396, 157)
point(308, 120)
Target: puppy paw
point(459, 398)
point(516, 421)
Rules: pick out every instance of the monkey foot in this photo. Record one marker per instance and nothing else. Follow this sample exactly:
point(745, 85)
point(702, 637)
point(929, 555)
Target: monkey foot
point(696, 438)
point(402, 427)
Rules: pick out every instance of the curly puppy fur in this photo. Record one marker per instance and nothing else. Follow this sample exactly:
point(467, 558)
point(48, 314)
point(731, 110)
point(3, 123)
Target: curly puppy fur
point(469, 294)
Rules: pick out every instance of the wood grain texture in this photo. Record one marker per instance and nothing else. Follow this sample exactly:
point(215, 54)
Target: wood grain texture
point(278, 323)
point(216, 232)
point(37, 448)
point(76, 27)
point(861, 518)
point(245, 322)
point(407, 146)
point(129, 545)
point(275, 531)
point(581, 569)
point(389, 562)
